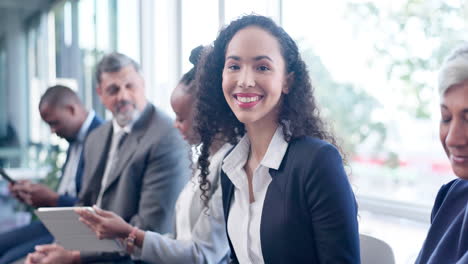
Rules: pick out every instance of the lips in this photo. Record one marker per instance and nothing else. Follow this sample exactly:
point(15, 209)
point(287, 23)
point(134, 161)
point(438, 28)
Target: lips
point(247, 100)
point(459, 159)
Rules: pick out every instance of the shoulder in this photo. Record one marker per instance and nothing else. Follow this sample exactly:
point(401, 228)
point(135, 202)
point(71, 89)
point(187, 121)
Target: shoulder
point(454, 187)
point(159, 116)
point(309, 149)
point(99, 130)
point(160, 121)
point(311, 162)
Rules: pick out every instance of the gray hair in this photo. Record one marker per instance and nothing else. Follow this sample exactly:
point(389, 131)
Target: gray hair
point(455, 69)
point(114, 62)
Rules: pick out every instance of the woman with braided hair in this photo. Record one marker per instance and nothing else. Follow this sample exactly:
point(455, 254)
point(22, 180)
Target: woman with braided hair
point(200, 236)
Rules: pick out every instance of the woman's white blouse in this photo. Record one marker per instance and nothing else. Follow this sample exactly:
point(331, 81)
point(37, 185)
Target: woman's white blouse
point(243, 224)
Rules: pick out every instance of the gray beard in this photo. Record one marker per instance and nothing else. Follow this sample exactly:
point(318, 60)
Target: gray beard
point(123, 119)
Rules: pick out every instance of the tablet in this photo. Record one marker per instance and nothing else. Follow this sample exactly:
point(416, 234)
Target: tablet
point(72, 234)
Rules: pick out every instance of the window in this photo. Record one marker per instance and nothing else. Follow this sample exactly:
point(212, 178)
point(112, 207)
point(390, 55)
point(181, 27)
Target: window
point(374, 70)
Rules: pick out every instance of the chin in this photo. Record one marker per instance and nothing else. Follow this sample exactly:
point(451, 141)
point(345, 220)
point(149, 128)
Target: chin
point(123, 119)
point(461, 173)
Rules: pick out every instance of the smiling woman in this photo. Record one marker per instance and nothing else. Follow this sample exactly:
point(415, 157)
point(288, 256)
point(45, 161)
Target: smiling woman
point(281, 179)
point(447, 239)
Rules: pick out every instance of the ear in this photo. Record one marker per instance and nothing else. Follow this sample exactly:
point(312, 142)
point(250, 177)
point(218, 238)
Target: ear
point(99, 89)
point(288, 83)
point(71, 108)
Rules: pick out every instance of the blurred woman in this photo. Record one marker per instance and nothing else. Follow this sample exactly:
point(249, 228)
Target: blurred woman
point(447, 240)
point(200, 235)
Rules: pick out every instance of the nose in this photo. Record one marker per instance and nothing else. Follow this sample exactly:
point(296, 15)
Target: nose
point(457, 134)
point(123, 94)
point(246, 78)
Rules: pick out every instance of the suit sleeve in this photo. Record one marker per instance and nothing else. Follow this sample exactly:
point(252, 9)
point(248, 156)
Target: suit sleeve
point(166, 172)
point(66, 201)
point(208, 243)
point(333, 209)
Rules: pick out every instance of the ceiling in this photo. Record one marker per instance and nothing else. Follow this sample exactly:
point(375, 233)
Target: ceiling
point(23, 6)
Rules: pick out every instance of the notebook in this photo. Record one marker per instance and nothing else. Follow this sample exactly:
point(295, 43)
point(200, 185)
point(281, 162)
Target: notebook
point(70, 233)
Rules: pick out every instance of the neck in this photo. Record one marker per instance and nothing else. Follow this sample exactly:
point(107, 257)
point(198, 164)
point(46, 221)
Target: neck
point(83, 115)
point(215, 146)
point(260, 138)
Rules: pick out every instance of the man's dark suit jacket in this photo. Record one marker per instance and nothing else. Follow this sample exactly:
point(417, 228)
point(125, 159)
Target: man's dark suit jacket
point(19, 242)
point(309, 213)
point(65, 199)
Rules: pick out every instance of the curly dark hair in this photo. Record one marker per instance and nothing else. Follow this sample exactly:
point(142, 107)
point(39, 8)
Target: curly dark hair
point(298, 114)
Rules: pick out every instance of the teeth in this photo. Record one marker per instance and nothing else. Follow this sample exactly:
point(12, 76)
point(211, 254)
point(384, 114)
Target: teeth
point(248, 99)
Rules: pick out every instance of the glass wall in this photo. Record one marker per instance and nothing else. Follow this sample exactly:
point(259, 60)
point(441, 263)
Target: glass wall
point(374, 69)
point(197, 29)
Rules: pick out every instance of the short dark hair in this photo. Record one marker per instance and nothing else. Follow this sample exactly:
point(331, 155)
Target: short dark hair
point(59, 95)
point(114, 62)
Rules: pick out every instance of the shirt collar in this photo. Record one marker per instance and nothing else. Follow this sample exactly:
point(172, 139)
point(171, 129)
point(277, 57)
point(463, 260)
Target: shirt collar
point(85, 126)
point(272, 159)
point(116, 128)
point(276, 150)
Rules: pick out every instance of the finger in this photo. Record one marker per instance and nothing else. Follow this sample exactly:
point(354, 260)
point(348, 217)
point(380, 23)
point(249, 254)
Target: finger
point(91, 217)
point(34, 257)
point(101, 212)
point(90, 225)
point(29, 259)
point(46, 248)
point(19, 187)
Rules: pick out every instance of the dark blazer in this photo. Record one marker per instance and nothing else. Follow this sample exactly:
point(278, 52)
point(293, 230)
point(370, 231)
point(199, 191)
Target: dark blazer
point(309, 213)
point(447, 239)
point(68, 200)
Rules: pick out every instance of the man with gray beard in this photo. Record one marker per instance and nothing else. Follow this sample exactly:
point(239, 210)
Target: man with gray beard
point(135, 165)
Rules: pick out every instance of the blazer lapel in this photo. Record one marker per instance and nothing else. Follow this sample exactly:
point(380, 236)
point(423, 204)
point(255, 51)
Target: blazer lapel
point(95, 163)
point(130, 145)
point(125, 153)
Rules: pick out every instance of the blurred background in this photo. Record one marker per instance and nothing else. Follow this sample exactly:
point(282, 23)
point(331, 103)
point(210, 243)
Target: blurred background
point(373, 65)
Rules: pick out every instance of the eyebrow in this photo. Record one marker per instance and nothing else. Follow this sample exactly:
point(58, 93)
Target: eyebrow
point(257, 58)
point(465, 111)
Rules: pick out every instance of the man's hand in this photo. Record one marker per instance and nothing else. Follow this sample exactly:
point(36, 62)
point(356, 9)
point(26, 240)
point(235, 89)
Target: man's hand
point(34, 194)
point(52, 254)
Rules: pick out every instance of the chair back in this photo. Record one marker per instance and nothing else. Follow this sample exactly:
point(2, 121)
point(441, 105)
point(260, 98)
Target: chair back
point(375, 251)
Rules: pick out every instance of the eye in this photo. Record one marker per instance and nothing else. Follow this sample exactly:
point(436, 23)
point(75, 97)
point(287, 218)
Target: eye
point(113, 89)
point(233, 67)
point(263, 68)
point(445, 118)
